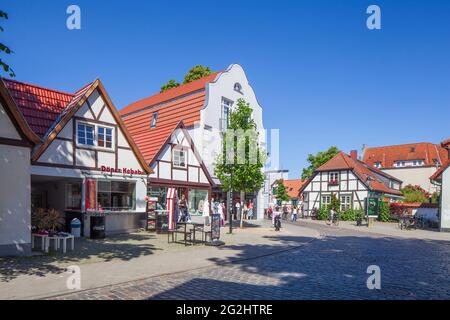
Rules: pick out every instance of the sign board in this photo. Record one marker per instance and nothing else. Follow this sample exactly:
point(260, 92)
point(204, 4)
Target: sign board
point(215, 226)
point(373, 207)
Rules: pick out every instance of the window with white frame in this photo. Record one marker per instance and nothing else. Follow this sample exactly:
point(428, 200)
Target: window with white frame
point(346, 202)
point(179, 157)
point(104, 137)
point(325, 200)
point(86, 134)
point(93, 135)
point(333, 178)
point(226, 109)
point(377, 165)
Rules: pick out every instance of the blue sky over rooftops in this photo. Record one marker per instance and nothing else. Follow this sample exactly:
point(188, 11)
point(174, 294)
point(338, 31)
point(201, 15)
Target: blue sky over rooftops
point(321, 76)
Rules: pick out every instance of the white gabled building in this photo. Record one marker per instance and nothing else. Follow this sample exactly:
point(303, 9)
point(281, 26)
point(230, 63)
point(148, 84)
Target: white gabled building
point(16, 142)
point(87, 164)
point(203, 105)
point(351, 180)
point(441, 178)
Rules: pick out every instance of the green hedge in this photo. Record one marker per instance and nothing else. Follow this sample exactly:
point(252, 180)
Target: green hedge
point(351, 214)
point(323, 213)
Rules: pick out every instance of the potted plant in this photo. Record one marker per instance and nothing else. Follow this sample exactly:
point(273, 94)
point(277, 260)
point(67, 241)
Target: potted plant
point(47, 220)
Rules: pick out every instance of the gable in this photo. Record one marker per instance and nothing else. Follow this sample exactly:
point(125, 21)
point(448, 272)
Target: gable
point(7, 128)
point(92, 137)
point(167, 164)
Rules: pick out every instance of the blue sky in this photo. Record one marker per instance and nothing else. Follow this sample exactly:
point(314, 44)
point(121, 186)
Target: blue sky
point(321, 76)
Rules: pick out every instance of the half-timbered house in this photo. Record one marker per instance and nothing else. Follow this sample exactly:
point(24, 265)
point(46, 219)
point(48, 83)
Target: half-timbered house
point(87, 164)
point(350, 180)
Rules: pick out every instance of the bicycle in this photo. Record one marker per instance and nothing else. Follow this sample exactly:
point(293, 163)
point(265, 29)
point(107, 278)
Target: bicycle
point(333, 219)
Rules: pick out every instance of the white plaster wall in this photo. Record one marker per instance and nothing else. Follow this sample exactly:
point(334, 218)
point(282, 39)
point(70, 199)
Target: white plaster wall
point(7, 129)
point(180, 175)
point(415, 176)
point(445, 200)
point(67, 131)
point(15, 199)
point(58, 152)
point(106, 159)
point(164, 170)
point(85, 158)
point(127, 159)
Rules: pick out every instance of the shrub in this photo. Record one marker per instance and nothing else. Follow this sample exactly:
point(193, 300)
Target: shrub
point(351, 215)
point(323, 213)
point(385, 212)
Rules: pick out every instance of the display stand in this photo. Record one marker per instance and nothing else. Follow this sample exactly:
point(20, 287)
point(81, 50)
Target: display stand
point(151, 215)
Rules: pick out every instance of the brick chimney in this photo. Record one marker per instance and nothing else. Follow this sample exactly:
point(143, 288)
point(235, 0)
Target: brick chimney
point(354, 154)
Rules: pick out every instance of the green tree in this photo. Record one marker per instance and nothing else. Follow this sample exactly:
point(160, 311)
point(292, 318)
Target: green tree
point(280, 192)
point(415, 194)
point(169, 85)
point(385, 212)
point(196, 73)
point(5, 49)
point(239, 165)
point(317, 160)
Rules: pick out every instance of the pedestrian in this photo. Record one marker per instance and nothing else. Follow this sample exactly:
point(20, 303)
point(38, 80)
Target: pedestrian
point(285, 212)
point(269, 212)
point(250, 209)
point(245, 211)
point(238, 210)
point(276, 213)
point(182, 205)
point(294, 213)
point(220, 210)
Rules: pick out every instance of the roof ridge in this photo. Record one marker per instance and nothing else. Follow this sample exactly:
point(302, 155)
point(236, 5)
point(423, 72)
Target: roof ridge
point(400, 145)
point(167, 93)
point(38, 86)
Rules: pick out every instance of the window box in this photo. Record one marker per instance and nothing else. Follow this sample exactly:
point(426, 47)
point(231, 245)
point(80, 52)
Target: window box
point(333, 183)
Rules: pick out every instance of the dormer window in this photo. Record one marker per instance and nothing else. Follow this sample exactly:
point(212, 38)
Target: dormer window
point(238, 87)
point(377, 164)
point(154, 119)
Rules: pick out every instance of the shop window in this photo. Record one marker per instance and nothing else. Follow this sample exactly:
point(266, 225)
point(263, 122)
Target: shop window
point(85, 134)
point(197, 201)
point(161, 194)
point(179, 158)
point(116, 195)
point(104, 137)
point(73, 196)
point(346, 202)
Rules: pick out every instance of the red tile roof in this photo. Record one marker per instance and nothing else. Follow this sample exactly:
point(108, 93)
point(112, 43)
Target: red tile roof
point(171, 94)
point(41, 107)
point(366, 173)
point(388, 155)
point(437, 176)
point(293, 187)
point(172, 106)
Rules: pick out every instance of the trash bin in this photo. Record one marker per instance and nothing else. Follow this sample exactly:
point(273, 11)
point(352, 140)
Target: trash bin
point(75, 227)
point(97, 227)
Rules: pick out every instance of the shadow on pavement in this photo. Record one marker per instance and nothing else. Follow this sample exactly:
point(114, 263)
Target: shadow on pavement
point(123, 247)
point(334, 267)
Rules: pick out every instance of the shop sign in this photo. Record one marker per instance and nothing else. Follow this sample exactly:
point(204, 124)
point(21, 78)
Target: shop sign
point(121, 170)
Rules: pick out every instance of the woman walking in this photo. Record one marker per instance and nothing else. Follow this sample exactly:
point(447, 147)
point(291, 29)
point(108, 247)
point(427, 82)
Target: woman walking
point(250, 210)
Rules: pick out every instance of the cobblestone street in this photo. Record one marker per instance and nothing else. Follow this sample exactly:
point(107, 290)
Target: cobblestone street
point(331, 267)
